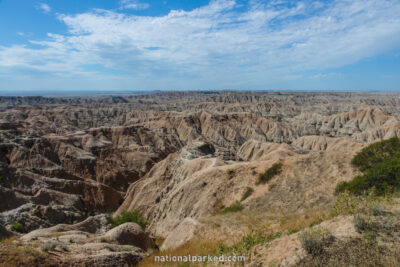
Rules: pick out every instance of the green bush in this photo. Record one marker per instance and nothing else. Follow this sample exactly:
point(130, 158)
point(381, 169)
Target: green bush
point(134, 216)
point(247, 193)
point(376, 153)
point(275, 169)
point(235, 207)
point(17, 227)
point(380, 164)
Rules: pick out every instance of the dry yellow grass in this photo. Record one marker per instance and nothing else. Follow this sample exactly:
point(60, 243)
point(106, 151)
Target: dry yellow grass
point(12, 253)
point(215, 232)
point(194, 247)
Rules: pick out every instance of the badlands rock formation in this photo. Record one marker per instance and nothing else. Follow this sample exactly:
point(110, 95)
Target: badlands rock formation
point(93, 242)
point(178, 158)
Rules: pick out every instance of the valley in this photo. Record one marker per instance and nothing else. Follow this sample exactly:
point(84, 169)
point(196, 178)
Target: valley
point(190, 164)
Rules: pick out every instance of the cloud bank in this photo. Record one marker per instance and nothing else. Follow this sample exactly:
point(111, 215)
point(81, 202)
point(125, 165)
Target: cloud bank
point(223, 40)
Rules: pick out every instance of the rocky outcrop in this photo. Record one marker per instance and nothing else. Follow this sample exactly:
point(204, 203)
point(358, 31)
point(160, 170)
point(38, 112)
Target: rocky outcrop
point(130, 234)
point(94, 225)
point(92, 242)
point(180, 178)
point(35, 200)
point(183, 233)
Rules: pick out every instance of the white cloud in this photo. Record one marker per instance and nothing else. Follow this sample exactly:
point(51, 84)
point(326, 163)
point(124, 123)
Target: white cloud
point(325, 75)
point(44, 7)
point(133, 4)
point(216, 42)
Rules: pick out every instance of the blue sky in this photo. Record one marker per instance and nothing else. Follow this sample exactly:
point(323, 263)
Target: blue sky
point(106, 45)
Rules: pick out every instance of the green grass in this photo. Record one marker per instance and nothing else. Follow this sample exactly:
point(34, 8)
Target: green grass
point(247, 193)
point(380, 164)
point(134, 216)
point(347, 203)
point(247, 242)
point(294, 230)
point(275, 169)
point(235, 207)
point(17, 227)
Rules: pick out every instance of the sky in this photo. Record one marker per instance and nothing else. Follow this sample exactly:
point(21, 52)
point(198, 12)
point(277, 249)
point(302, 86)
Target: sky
point(126, 45)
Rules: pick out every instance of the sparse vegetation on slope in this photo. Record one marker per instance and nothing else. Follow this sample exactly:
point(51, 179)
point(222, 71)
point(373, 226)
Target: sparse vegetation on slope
point(356, 252)
point(12, 254)
point(235, 207)
point(365, 196)
point(347, 203)
point(376, 246)
point(247, 193)
point(231, 173)
point(247, 242)
point(275, 169)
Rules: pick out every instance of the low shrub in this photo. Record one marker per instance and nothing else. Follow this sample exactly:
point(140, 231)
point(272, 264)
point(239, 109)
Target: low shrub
point(17, 227)
point(275, 169)
point(235, 207)
point(48, 246)
point(315, 241)
point(361, 223)
point(134, 216)
point(247, 193)
point(377, 209)
point(230, 172)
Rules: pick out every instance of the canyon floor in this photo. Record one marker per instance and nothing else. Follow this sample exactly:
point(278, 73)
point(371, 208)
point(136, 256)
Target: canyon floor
point(192, 164)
